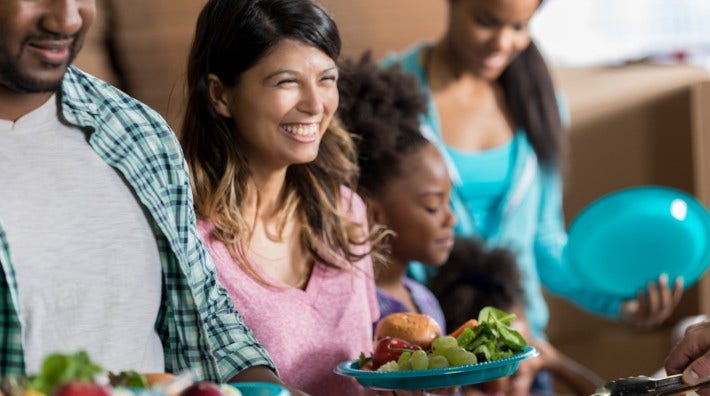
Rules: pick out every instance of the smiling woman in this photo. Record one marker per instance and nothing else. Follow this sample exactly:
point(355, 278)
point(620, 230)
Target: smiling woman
point(282, 105)
point(272, 176)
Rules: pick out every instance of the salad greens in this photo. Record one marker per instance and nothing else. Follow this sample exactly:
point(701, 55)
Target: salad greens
point(492, 338)
point(60, 368)
point(128, 379)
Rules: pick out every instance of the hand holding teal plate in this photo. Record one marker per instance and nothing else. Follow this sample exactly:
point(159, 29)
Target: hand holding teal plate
point(435, 378)
point(628, 238)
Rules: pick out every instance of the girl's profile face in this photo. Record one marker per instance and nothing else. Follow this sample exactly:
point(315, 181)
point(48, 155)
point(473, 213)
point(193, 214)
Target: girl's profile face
point(486, 35)
point(416, 207)
point(283, 105)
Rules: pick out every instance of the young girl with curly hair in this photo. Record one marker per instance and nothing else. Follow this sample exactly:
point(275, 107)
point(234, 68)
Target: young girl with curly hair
point(403, 179)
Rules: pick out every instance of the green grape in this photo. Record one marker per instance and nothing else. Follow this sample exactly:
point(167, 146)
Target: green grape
point(406, 365)
point(459, 356)
point(442, 343)
point(419, 360)
point(438, 361)
point(404, 358)
point(389, 366)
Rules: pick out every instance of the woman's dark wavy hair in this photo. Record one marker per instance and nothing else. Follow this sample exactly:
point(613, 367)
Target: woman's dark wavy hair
point(232, 36)
point(474, 277)
point(532, 100)
point(381, 108)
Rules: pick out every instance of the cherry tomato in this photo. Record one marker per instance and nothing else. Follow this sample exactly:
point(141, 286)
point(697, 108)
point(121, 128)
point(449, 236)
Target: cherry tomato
point(388, 349)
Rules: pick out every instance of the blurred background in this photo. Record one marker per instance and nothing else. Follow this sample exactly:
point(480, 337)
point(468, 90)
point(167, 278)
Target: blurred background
point(599, 32)
point(634, 72)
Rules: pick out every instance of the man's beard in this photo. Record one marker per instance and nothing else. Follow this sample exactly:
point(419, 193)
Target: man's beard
point(12, 77)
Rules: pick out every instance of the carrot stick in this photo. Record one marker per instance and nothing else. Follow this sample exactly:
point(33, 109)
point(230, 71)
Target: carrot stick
point(468, 323)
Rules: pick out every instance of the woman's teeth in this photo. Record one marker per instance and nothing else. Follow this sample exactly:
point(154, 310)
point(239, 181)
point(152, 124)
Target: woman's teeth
point(301, 130)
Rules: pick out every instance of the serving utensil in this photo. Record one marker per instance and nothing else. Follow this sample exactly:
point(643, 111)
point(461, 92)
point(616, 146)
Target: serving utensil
point(643, 385)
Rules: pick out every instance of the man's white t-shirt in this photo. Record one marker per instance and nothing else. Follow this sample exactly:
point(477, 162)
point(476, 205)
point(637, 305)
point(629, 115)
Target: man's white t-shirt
point(86, 258)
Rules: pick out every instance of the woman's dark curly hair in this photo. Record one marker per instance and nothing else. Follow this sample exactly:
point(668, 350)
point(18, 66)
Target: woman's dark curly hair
point(381, 108)
point(475, 277)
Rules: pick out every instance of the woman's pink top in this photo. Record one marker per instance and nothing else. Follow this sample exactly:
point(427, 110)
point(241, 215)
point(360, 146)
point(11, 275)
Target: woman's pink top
point(307, 332)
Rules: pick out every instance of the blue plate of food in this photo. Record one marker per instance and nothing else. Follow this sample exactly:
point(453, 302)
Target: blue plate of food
point(435, 378)
point(260, 389)
point(630, 237)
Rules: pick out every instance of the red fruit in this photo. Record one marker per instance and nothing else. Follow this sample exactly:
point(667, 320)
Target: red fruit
point(389, 349)
point(76, 388)
point(202, 388)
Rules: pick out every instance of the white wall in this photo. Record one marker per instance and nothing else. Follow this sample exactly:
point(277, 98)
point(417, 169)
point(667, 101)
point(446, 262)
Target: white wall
point(584, 32)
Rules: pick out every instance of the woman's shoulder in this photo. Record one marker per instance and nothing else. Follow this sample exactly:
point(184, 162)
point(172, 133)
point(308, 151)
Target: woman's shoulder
point(352, 202)
point(204, 228)
point(407, 59)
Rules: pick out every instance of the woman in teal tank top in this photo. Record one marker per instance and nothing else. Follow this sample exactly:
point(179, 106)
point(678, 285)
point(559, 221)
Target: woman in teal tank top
point(490, 93)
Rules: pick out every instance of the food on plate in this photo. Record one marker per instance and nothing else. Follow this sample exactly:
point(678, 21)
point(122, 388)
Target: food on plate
point(389, 348)
point(202, 388)
point(128, 379)
point(469, 323)
point(59, 369)
point(487, 338)
point(492, 338)
point(77, 375)
point(153, 379)
point(412, 327)
point(81, 388)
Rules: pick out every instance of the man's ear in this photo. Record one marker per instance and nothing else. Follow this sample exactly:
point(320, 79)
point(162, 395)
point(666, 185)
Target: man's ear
point(218, 95)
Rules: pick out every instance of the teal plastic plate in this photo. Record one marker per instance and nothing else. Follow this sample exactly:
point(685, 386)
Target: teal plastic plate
point(260, 389)
point(625, 239)
point(435, 378)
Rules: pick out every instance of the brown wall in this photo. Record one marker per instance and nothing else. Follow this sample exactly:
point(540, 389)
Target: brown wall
point(154, 37)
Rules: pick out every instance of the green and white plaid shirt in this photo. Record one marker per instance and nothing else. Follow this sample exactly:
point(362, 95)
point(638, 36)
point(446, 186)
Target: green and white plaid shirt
point(197, 323)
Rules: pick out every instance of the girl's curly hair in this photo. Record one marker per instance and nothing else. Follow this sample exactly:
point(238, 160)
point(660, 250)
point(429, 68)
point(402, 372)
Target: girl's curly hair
point(381, 108)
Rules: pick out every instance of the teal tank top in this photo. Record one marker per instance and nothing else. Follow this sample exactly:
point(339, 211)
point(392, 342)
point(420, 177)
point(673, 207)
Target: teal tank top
point(485, 177)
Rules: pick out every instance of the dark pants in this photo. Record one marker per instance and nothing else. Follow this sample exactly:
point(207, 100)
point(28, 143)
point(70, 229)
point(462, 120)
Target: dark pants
point(543, 384)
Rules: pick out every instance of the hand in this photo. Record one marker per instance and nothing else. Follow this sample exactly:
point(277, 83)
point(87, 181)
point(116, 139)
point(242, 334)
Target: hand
point(549, 355)
point(652, 308)
point(521, 380)
point(692, 356)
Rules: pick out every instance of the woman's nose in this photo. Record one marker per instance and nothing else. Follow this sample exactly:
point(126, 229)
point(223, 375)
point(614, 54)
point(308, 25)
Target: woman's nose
point(311, 99)
point(504, 38)
point(450, 220)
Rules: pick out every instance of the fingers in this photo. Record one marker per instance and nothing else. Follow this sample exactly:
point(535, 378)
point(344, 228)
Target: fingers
point(691, 355)
point(655, 296)
point(652, 307)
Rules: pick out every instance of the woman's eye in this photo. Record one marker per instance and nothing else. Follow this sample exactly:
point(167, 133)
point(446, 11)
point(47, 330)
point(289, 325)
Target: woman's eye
point(485, 22)
point(287, 81)
point(329, 78)
point(520, 27)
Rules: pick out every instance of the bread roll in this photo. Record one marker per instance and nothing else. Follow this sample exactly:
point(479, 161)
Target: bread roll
point(412, 327)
